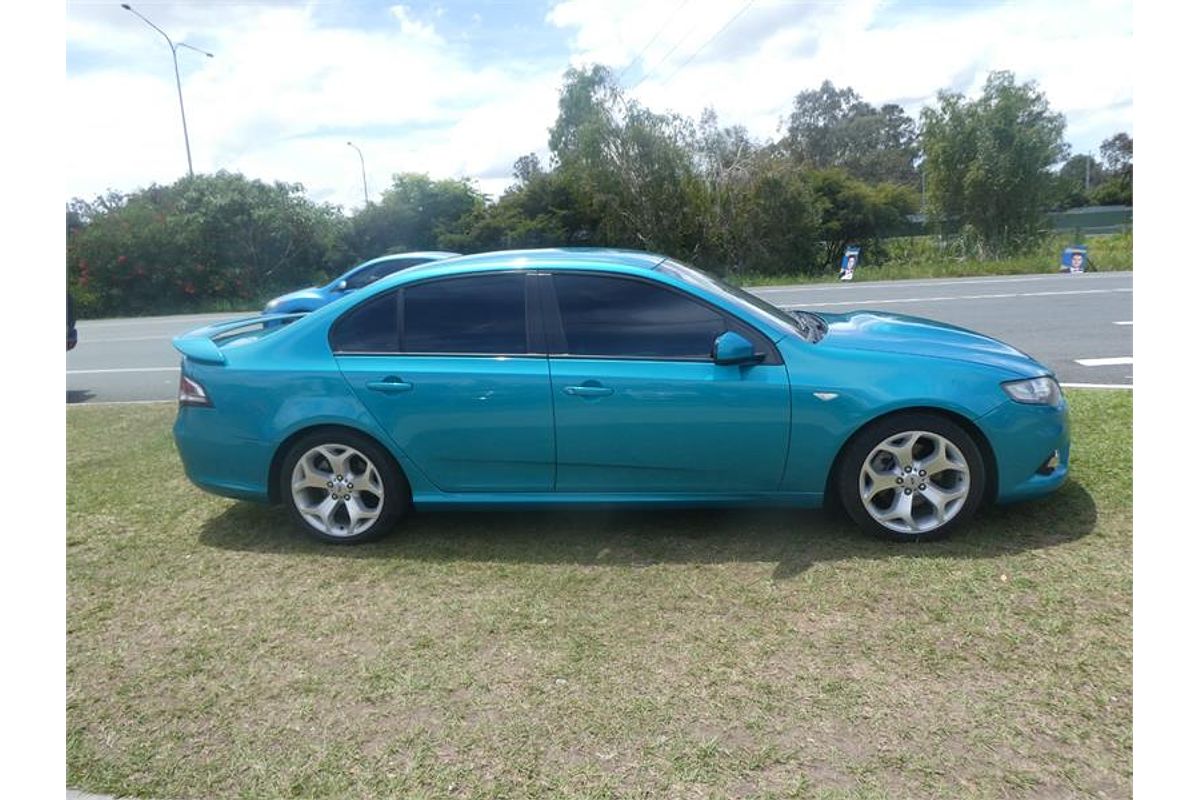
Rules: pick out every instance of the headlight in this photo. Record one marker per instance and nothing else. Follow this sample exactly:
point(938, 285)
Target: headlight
point(1041, 391)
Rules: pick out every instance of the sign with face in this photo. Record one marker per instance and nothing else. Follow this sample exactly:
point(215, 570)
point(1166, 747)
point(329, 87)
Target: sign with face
point(1074, 259)
point(849, 262)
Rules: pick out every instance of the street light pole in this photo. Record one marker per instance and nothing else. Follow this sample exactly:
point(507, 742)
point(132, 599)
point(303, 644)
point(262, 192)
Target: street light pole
point(363, 162)
point(178, 85)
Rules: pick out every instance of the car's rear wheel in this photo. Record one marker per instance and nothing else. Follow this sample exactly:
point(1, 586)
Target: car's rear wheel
point(340, 486)
point(912, 476)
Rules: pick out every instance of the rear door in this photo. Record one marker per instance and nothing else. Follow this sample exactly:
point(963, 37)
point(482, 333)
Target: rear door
point(454, 369)
point(639, 405)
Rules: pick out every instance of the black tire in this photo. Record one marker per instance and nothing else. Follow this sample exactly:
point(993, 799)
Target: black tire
point(918, 433)
point(388, 500)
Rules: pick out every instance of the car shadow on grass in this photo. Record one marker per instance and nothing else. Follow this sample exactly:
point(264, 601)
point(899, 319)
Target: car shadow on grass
point(793, 540)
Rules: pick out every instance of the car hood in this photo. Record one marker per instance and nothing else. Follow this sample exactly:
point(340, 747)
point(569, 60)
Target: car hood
point(904, 335)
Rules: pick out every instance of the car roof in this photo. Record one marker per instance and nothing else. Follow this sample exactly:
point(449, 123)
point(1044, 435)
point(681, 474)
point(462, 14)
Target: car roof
point(553, 257)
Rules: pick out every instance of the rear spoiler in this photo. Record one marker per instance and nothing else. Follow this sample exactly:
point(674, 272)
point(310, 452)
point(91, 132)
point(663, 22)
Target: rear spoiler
point(204, 344)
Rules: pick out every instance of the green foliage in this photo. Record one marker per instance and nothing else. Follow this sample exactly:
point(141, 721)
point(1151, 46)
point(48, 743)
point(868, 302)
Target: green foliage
point(987, 161)
point(831, 127)
point(415, 213)
point(852, 212)
point(1079, 174)
point(621, 175)
point(169, 248)
point(1115, 192)
point(1117, 152)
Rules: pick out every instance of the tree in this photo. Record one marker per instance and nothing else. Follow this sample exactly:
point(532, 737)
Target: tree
point(831, 127)
point(1075, 179)
point(635, 167)
point(853, 212)
point(988, 161)
point(415, 213)
point(202, 238)
point(1117, 152)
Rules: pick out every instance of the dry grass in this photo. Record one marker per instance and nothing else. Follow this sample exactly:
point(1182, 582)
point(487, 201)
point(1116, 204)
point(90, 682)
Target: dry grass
point(213, 652)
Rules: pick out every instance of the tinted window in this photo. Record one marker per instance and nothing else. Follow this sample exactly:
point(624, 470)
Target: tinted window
point(479, 314)
point(617, 317)
point(372, 274)
point(370, 327)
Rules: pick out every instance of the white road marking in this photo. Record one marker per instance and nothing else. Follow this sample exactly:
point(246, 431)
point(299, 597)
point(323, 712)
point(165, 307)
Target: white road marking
point(125, 369)
point(1096, 385)
point(129, 339)
point(864, 303)
point(119, 403)
point(1127, 322)
point(1104, 362)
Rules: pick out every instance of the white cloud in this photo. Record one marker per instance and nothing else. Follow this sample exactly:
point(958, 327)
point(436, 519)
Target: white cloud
point(287, 88)
point(1079, 52)
point(284, 94)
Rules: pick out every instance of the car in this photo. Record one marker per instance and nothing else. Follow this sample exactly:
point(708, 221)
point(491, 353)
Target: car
point(355, 278)
point(72, 334)
point(577, 377)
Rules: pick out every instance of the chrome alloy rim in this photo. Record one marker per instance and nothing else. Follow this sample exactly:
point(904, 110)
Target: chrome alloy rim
point(337, 490)
point(914, 482)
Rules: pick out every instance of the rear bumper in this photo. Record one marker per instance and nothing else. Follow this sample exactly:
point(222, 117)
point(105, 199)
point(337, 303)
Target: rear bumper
point(1023, 437)
point(220, 461)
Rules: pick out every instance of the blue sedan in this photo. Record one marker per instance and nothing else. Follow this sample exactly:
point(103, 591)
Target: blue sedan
point(355, 278)
point(585, 377)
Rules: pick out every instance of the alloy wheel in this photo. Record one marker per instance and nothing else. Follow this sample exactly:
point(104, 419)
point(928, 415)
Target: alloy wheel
point(914, 482)
point(337, 490)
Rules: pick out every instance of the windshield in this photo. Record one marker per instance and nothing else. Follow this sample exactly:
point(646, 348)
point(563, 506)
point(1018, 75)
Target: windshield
point(808, 325)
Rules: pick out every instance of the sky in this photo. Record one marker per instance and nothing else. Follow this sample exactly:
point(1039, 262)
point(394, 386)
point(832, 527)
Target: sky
point(461, 89)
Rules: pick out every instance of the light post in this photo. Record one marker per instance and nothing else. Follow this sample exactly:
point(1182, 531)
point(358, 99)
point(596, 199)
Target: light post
point(178, 86)
point(363, 162)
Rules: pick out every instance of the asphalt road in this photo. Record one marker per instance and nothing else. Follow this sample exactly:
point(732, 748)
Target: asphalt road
point(1061, 320)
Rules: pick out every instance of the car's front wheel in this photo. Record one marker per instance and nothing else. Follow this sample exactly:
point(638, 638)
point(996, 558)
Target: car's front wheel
point(342, 487)
point(912, 476)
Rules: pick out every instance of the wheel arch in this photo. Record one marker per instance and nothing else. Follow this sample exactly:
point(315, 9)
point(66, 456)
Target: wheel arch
point(973, 430)
point(273, 473)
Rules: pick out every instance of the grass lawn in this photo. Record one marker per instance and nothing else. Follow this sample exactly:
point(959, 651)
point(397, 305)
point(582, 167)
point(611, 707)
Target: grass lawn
point(214, 652)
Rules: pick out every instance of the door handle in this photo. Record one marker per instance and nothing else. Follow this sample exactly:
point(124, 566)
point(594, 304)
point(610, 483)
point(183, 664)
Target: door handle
point(588, 391)
point(390, 385)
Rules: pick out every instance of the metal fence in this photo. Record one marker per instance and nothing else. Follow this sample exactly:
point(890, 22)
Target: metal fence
point(1089, 220)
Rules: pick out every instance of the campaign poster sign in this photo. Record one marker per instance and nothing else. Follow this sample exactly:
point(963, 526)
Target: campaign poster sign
point(849, 262)
point(1074, 259)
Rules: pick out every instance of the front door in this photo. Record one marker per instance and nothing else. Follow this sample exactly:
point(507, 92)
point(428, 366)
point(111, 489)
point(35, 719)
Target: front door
point(639, 405)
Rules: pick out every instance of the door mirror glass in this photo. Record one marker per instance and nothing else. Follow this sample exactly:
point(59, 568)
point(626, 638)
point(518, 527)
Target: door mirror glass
point(732, 348)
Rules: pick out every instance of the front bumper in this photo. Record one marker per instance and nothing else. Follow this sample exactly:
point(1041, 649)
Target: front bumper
point(1023, 437)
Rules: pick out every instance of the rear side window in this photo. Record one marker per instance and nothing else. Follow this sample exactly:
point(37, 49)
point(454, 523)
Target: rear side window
point(372, 327)
point(617, 317)
point(478, 314)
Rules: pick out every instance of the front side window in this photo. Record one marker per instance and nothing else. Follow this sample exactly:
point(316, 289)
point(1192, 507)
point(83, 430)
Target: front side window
point(478, 314)
point(617, 317)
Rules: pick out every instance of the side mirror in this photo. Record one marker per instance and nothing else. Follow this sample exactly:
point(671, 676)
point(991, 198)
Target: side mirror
point(732, 348)
point(342, 285)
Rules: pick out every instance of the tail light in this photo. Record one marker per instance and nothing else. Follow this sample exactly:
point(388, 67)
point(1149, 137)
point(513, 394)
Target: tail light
point(191, 393)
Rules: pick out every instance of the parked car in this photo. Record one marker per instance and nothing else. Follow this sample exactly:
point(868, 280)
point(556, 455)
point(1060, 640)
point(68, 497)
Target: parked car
point(357, 277)
point(72, 334)
point(584, 377)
